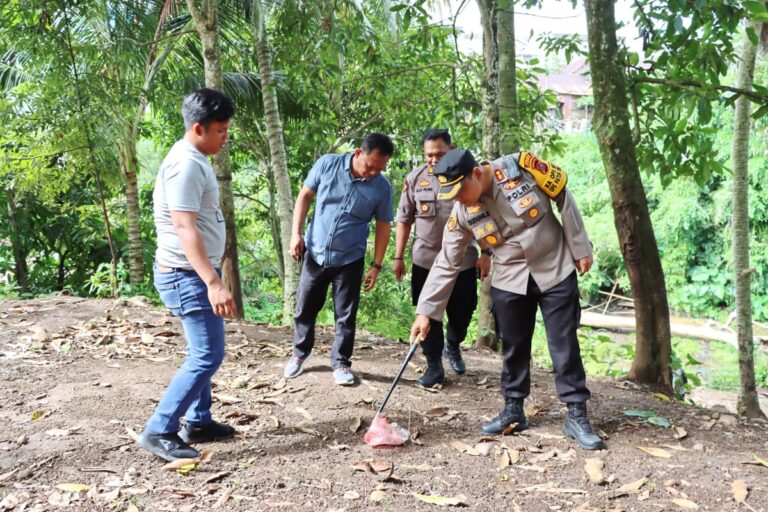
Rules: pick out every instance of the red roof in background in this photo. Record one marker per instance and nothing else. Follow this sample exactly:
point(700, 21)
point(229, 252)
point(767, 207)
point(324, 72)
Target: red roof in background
point(572, 80)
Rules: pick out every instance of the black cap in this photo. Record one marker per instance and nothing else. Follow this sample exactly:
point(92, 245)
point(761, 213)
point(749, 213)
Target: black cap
point(452, 168)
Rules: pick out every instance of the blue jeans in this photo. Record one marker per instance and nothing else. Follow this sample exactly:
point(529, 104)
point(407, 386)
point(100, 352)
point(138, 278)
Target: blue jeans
point(189, 393)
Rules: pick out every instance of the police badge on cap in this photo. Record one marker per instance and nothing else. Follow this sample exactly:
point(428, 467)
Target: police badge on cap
point(451, 170)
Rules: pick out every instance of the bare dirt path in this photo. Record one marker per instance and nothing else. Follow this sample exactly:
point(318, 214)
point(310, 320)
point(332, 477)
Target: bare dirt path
point(78, 376)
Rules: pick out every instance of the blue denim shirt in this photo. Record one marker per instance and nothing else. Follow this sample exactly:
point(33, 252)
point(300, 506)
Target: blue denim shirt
point(344, 207)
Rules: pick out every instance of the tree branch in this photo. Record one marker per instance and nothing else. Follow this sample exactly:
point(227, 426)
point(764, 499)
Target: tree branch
point(686, 84)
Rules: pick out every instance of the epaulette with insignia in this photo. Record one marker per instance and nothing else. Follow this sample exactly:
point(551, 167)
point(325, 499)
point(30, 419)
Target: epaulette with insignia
point(549, 177)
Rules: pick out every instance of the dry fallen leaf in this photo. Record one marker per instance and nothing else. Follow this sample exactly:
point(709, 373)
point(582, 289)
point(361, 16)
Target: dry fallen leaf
point(216, 477)
point(62, 432)
point(594, 468)
point(354, 425)
point(465, 448)
point(362, 465)
point(436, 412)
point(309, 431)
point(656, 452)
point(503, 461)
point(686, 504)
point(304, 413)
point(484, 448)
point(73, 487)
point(377, 496)
point(510, 429)
point(442, 501)
point(739, 490)
point(633, 486)
point(132, 508)
point(181, 464)
point(351, 495)
point(225, 399)
point(38, 414)
point(679, 433)
point(380, 465)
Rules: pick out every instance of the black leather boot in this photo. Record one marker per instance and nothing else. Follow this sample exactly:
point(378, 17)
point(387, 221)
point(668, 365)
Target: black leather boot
point(434, 374)
point(577, 427)
point(512, 413)
point(455, 361)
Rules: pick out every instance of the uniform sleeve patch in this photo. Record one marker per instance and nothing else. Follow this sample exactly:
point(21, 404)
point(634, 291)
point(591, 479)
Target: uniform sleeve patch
point(549, 177)
point(452, 223)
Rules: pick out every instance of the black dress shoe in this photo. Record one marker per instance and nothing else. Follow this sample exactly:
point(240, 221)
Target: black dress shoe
point(455, 361)
point(512, 413)
point(209, 433)
point(577, 427)
point(169, 447)
point(434, 374)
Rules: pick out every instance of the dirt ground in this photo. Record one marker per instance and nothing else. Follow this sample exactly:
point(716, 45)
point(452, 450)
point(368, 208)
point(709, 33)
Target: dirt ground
point(79, 377)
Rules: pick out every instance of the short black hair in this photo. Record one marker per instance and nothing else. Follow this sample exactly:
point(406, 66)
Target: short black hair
point(378, 141)
point(205, 106)
point(437, 134)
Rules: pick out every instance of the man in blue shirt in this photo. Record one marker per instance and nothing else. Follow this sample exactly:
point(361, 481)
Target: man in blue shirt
point(350, 192)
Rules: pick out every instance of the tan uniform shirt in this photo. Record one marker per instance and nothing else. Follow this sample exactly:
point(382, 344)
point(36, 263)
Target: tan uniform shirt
point(515, 217)
point(419, 205)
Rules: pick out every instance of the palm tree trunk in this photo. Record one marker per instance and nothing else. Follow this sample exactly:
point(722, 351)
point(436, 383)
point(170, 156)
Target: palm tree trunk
point(630, 207)
point(280, 172)
point(748, 403)
point(130, 167)
point(486, 325)
point(206, 23)
point(21, 271)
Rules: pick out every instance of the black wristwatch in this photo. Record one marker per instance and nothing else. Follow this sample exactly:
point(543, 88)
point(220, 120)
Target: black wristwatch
point(487, 251)
point(377, 266)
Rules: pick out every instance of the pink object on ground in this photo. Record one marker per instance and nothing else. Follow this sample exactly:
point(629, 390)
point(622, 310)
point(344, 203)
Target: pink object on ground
point(384, 433)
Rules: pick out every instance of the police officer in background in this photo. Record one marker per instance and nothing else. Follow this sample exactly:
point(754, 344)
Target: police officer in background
point(507, 204)
point(419, 205)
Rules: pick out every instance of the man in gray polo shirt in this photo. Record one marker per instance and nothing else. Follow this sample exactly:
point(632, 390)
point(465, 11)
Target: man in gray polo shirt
point(190, 243)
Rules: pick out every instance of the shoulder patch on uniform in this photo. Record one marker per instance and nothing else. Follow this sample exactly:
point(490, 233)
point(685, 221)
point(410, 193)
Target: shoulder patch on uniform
point(549, 177)
point(452, 222)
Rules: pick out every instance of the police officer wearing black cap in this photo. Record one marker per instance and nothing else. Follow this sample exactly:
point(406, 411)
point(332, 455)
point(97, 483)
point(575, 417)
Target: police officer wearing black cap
point(507, 205)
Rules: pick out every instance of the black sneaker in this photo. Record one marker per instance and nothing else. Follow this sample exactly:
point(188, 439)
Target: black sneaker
point(455, 361)
point(512, 413)
point(577, 427)
point(209, 433)
point(169, 447)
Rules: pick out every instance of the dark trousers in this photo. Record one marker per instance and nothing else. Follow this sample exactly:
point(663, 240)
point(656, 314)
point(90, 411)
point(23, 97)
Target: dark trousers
point(461, 305)
point(310, 297)
point(516, 317)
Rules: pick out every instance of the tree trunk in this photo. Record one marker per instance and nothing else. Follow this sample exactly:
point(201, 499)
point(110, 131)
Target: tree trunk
point(207, 25)
point(748, 403)
point(505, 46)
point(21, 271)
point(486, 325)
point(631, 216)
point(280, 172)
point(130, 167)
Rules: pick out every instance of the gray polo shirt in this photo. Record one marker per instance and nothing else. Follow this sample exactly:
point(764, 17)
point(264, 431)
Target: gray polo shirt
point(186, 183)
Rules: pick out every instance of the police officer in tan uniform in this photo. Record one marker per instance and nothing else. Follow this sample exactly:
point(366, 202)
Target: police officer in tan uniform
point(507, 204)
point(420, 207)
